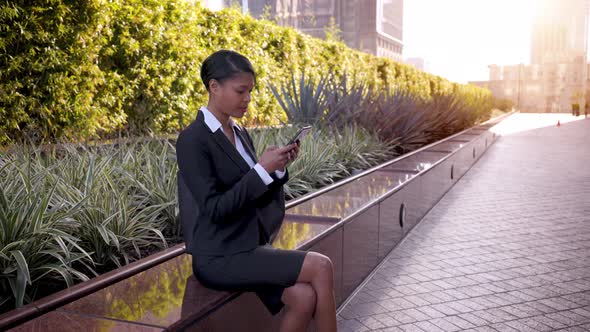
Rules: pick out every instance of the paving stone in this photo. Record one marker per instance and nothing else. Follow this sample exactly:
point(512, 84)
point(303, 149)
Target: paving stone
point(417, 300)
point(362, 310)
point(460, 322)
point(428, 326)
point(392, 292)
point(430, 311)
point(456, 293)
point(528, 310)
point(540, 307)
point(482, 329)
point(398, 303)
point(552, 323)
point(376, 295)
point(430, 286)
point(444, 296)
point(558, 317)
point(503, 327)
point(416, 315)
point(386, 319)
point(351, 325)
point(402, 317)
point(445, 324)
point(371, 322)
point(582, 298)
point(582, 311)
point(489, 316)
point(458, 307)
point(390, 329)
point(483, 302)
point(469, 303)
point(535, 324)
point(521, 326)
point(417, 288)
point(518, 310)
point(428, 297)
point(582, 328)
point(445, 309)
point(411, 328)
point(521, 295)
point(559, 303)
point(574, 316)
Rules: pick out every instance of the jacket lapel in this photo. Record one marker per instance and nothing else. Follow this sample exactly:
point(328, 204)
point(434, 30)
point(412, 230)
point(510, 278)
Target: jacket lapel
point(246, 144)
point(225, 145)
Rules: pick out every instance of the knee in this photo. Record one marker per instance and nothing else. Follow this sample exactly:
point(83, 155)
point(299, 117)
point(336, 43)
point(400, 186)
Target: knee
point(323, 266)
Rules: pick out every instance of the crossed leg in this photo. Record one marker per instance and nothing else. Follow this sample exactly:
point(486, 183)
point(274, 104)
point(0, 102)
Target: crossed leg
point(311, 296)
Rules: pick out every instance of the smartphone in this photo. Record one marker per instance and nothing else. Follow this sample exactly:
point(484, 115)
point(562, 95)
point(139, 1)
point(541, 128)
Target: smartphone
point(300, 134)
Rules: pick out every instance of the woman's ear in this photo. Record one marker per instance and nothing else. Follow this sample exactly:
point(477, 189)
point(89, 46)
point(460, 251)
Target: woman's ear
point(214, 86)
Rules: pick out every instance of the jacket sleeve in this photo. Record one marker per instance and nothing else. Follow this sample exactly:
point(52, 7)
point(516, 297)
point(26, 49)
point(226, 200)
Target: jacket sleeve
point(195, 166)
point(279, 182)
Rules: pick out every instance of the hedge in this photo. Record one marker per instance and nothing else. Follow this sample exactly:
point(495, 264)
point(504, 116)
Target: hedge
point(74, 70)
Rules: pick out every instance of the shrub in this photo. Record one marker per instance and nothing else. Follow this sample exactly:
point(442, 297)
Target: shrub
point(78, 70)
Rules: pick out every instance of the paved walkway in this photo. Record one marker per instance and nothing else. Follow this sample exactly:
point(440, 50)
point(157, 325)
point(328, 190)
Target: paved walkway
point(507, 249)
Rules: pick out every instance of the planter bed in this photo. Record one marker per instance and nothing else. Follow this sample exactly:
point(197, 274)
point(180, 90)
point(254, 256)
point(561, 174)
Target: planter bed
point(356, 222)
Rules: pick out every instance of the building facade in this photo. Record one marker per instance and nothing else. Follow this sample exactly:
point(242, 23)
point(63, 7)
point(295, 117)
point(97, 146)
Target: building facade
point(418, 63)
point(559, 31)
point(557, 75)
point(372, 26)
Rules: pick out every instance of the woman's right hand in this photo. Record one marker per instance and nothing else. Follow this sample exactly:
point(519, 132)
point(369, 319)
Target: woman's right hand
point(275, 158)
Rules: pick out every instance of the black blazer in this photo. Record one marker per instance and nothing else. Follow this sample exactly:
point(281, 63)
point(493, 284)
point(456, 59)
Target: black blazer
point(223, 202)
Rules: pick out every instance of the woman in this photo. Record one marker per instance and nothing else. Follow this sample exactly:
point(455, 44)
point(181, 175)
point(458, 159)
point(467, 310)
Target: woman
point(241, 206)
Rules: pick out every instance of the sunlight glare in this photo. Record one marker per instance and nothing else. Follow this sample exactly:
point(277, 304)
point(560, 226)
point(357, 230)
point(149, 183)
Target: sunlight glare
point(460, 38)
point(520, 122)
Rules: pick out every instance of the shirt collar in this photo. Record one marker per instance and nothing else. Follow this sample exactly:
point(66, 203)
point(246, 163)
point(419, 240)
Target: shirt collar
point(212, 122)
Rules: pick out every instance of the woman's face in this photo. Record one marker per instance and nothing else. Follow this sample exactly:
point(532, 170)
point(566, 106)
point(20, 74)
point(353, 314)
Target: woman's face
point(233, 95)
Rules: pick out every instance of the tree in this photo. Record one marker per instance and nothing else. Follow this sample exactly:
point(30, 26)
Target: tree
point(332, 31)
point(267, 13)
point(576, 97)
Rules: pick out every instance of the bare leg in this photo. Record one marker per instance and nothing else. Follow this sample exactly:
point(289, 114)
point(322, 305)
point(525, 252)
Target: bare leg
point(300, 301)
point(318, 271)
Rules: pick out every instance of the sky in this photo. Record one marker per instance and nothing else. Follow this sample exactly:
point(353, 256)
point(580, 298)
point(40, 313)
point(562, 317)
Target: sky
point(459, 39)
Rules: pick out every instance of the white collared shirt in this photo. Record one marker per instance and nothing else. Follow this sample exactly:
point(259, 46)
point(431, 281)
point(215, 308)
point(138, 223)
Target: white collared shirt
point(213, 123)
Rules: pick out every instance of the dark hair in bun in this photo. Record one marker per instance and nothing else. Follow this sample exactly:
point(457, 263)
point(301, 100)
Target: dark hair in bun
point(224, 64)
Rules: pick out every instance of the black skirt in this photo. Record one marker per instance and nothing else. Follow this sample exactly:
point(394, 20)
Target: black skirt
point(265, 270)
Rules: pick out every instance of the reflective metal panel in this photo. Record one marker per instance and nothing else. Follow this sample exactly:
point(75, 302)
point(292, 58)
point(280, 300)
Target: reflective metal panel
point(462, 161)
point(65, 321)
point(360, 248)
point(151, 297)
point(297, 230)
point(418, 162)
point(433, 186)
point(345, 200)
point(390, 230)
point(246, 313)
point(414, 204)
point(448, 146)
